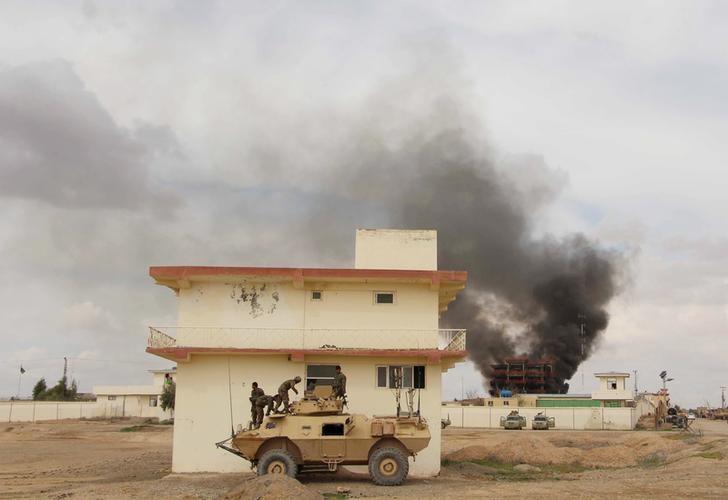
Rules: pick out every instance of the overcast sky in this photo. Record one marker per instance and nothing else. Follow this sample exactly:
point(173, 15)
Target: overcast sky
point(150, 133)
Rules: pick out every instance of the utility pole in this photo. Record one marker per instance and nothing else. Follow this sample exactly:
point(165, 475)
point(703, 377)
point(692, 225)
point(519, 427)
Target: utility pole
point(582, 331)
point(635, 383)
point(722, 397)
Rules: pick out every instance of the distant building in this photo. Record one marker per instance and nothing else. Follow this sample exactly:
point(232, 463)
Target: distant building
point(522, 375)
point(134, 400)
point(237, 325)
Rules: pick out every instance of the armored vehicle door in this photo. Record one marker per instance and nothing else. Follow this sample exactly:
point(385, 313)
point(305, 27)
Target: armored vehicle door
point(333, 442)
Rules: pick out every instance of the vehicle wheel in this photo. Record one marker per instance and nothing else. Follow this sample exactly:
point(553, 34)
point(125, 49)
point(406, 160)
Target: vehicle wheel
point(277, 462)
point(388, 467)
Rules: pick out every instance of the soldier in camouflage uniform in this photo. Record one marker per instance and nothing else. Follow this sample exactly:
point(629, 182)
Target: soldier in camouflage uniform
point(283, 392)
point(254, 394)
point(260, 403)
point(338, 388)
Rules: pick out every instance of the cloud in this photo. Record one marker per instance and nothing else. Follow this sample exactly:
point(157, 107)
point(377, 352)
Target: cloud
point(89, 316)
point(60, 146)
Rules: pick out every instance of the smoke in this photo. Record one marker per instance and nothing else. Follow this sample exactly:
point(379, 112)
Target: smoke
point(413, 155)
point(526, 294)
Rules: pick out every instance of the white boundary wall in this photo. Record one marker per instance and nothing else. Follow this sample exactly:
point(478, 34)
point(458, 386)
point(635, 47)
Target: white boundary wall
point(35, 411)
point(597, 418)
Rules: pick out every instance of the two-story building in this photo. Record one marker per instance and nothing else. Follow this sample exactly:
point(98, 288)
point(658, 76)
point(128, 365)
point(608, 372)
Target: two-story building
point(237, 325)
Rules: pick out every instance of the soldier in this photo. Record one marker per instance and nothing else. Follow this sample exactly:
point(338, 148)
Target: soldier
point(260, 403)
point(283, 392)
point(254, 394)
point(338, 389)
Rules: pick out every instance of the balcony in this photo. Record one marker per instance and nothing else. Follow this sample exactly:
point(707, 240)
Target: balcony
point(165, 338)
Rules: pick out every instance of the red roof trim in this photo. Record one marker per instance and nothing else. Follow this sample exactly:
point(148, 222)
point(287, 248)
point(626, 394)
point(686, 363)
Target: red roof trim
point(183, 353)
point(188, 272)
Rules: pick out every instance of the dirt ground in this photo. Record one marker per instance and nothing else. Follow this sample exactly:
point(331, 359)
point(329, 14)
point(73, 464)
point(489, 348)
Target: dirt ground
point(101, 459)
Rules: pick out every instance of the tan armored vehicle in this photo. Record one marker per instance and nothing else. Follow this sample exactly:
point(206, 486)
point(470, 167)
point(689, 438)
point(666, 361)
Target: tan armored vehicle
point(317, 436)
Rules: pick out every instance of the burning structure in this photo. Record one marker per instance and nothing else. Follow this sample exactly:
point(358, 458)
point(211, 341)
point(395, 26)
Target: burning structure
point(522, 375)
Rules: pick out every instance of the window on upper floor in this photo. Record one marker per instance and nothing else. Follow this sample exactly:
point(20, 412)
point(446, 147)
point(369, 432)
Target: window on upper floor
point(319, 375)
point(153, 401)
point(384, 297)
point(317, 295)
point(612, 384)
point(111, 398)
point(411, 376)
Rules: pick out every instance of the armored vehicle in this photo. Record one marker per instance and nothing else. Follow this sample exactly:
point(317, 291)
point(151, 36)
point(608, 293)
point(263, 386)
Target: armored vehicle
point(542, 422)
point(317, 436)
point(513, 421)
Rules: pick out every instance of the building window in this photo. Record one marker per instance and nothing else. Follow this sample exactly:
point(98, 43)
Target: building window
point(384, 297)
point(319, 375)
point(412, 376)
point(612, 384)
point(317, 295)
point(111, 398)
point(490, 403)
point(153, 401)
point(505, 403)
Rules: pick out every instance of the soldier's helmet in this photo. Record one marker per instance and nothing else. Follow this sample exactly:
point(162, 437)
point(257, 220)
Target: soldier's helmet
point(297, 378)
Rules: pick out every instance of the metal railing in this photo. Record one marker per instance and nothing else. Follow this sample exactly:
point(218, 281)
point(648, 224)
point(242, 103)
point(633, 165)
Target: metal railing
point(292, 338)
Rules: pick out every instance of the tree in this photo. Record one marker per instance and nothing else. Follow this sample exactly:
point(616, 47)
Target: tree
point(59, 392)
point(168, 396)
point(39, 388)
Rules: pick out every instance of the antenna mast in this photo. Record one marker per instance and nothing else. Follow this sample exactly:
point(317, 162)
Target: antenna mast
point(722, 396)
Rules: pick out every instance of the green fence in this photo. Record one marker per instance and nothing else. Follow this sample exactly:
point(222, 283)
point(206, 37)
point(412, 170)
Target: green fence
point(567, 403)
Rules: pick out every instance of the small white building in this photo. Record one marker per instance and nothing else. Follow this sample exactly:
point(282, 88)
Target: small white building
point(237, 325)
point(134, 400)
point(613, 388)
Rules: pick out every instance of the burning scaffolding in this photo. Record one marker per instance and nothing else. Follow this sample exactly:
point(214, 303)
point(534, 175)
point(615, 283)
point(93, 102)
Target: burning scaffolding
point(523, 376)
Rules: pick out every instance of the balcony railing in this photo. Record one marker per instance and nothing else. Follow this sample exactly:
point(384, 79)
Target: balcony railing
point(306, 339)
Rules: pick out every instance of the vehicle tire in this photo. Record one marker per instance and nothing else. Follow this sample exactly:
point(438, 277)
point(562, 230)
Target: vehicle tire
point(388, 467)
point(277, 462)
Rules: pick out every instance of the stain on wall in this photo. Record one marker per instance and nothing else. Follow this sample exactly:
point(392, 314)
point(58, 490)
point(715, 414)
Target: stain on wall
point(258, 298)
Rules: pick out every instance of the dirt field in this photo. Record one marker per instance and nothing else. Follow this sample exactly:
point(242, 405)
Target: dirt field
point(88, 459)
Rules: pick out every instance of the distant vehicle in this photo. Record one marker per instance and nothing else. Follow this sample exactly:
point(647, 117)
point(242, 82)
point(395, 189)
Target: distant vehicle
point(513, 421)
point(542, 423)
point(445, 422)
point(691, 416)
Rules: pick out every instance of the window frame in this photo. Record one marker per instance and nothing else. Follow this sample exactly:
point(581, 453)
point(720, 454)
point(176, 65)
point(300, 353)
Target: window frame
point(320, 298)
point(307, 378)
point(153, 401)
point(111, 397)
point(377, 293)
point(612, 384)
point(388, 369)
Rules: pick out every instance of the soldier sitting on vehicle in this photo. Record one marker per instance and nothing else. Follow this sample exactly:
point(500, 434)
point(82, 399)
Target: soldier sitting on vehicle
point(283, 392)
point(254, 394)
point(260, 403)
point(338, 389)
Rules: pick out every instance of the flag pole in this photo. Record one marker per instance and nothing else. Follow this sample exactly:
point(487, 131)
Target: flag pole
point(17, 394)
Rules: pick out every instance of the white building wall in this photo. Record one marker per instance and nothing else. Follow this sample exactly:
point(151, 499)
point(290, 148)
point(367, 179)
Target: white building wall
point(202, 414)
point(281, 306)
point(395, 249)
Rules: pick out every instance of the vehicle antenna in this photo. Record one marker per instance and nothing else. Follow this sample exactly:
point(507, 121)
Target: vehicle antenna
point(230, 396)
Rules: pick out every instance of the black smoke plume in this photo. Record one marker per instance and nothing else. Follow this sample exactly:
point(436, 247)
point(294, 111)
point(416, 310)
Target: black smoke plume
point(526, 294)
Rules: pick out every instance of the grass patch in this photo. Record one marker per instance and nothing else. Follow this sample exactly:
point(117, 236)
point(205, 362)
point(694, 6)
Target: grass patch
point(653, 460)
point(714, 455)
point(134, 428)
point(503, 471)
point(335, 496)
